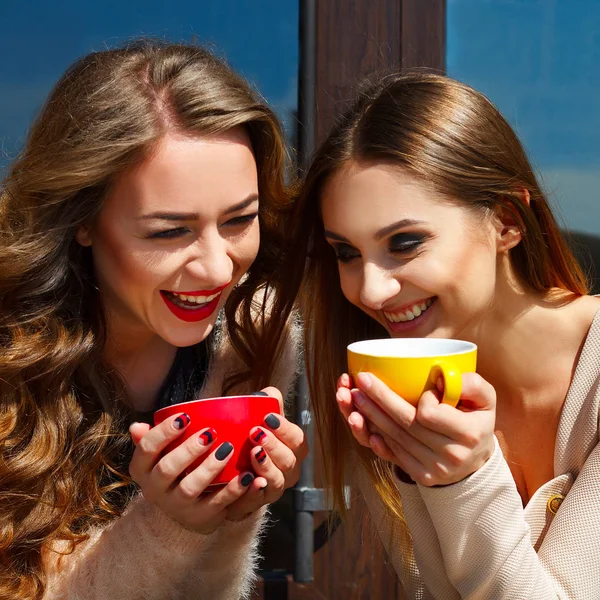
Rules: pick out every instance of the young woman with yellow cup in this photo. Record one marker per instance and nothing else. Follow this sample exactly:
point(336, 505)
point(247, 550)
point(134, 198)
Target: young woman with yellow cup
point(424, 219)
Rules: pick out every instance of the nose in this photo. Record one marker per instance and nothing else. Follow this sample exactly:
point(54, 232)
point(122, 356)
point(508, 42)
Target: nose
point(378, 286)
point(211, 263)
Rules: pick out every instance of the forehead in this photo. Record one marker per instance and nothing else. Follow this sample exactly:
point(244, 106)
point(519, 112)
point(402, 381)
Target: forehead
point(188, 174)
point(363, 195)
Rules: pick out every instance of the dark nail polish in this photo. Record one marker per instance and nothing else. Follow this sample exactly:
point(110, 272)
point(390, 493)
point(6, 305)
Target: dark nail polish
point(258, 435)
point(247, 479)
point(208, 437)
point(223, 451)
point(181, 421)
point(261, 393)
point(261, 456)
point(272, 421)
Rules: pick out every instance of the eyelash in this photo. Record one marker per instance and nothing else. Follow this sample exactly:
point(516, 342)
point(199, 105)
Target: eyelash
point(169, 233)
point(181, 231)
point(404, 247)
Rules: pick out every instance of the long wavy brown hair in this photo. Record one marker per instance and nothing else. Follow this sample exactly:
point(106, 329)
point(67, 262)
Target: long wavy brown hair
point(63, 410)
point(443, 132)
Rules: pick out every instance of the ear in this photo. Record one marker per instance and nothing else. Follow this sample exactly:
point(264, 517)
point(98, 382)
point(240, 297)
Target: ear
point(508, 233)
point(83, 235)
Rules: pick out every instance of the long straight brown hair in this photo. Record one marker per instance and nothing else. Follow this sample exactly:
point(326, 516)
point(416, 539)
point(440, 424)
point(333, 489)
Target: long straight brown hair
point(445, 133)
point(63, 442)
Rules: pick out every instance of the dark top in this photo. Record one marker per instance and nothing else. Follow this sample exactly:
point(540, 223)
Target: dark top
point(184, 381)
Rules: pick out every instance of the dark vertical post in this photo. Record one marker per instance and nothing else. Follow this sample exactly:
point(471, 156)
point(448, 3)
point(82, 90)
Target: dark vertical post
point(303, 567)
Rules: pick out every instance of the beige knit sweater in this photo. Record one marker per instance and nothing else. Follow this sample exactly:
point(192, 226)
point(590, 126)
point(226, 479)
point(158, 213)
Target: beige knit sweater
point(144, 555)
point(474, 540)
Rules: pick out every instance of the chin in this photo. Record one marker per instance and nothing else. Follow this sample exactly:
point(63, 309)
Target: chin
point(183, 339)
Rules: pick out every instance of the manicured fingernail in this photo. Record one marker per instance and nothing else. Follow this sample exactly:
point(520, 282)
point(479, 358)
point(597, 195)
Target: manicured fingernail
point(364, 380)
point(272, 421)
point(223, 451)
point(261, 393)
point(261, 456)
point(247, 479)
point(208, 436)
point(181, 421)
point(264, 487)
point(257, 435)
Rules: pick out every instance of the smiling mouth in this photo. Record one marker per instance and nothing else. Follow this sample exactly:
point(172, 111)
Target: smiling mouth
point(410, 313)
point(191, 301)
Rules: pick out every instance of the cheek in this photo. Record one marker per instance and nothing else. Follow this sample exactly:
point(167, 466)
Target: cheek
point(350, 282)
point(246, 248)
point(124, 268)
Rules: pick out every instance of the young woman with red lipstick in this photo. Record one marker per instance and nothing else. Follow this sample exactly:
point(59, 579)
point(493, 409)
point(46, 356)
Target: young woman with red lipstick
point(424, 219)
point(140, 237)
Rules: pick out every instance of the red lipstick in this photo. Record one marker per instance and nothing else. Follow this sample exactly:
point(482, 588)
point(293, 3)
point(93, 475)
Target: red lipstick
point(191, 314)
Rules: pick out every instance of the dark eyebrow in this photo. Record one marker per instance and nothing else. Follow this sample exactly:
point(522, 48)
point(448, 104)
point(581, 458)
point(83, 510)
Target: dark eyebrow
point(381, 233)
point(175, 216)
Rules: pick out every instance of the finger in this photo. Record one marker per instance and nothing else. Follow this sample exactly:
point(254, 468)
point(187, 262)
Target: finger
point(343, 397)
point(149, 447)
point(221, 500)
point(388, 425)
point(288, 433)
point(265, 467)
point(389, 402)
point(283, 456)
point(454, 424)
point(359, 428)
point(250, 502)
point(170, 467)
point(196, 482)
point(405, 442)
point(378, 445)
point(138, 431)
point(273, 391)
point(477, 393)
point(344, 381)
point(406, 461)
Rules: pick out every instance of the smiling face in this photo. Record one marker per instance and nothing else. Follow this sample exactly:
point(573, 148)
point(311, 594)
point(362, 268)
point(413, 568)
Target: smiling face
point(418, 265)
point(174, 236)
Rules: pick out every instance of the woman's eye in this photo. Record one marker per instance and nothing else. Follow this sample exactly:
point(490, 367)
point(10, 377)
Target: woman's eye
point(169, 233)
point(243, 220)
point(405, 243)
point(345, 254)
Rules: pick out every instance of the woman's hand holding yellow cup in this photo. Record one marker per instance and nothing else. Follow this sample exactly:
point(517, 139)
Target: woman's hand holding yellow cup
point(433, 442)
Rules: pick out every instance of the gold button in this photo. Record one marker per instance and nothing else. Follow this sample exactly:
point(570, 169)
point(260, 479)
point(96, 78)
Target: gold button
point(554, 503)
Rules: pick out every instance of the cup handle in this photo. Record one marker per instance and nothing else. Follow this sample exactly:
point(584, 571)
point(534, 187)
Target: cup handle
point(452, 381)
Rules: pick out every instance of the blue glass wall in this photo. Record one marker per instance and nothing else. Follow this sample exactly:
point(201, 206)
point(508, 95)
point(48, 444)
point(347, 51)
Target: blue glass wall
point(539, 62)
point(40, 39)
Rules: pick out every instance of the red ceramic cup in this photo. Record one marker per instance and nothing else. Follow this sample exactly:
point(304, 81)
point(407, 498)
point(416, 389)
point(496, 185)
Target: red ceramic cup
point(232, 417)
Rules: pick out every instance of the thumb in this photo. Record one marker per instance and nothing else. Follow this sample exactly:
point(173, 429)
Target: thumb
point(138, 431)
point(275, 393)
point(477, 393)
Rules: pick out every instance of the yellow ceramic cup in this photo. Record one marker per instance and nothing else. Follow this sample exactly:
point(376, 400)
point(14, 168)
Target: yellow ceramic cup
point(410, 366)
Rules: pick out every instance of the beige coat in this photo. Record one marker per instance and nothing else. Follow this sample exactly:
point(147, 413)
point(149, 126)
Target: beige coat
point(474, 540)
point(144, 555)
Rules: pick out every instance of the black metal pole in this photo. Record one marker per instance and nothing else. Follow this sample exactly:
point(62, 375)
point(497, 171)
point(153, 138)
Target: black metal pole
point(303, 567)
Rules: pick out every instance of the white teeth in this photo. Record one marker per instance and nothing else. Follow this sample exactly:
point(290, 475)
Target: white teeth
point(196, 299)
point(416, 310)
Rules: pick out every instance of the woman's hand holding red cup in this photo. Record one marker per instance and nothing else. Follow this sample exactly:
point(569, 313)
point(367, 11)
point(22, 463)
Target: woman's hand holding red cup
point(185, 496)
point(279, 449)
